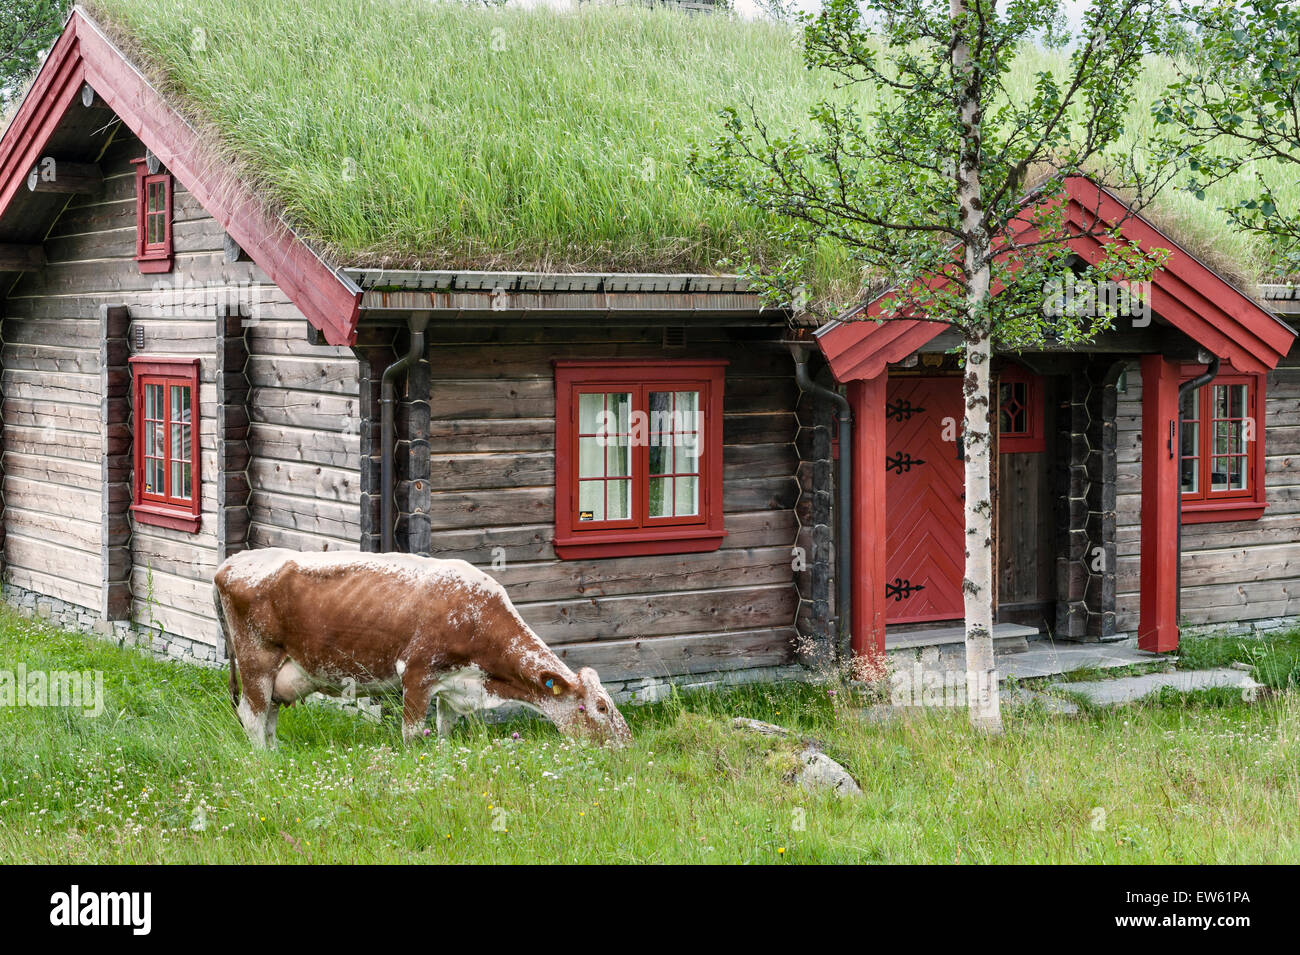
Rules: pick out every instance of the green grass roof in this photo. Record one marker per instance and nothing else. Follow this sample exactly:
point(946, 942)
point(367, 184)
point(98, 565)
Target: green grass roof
point(421, 134)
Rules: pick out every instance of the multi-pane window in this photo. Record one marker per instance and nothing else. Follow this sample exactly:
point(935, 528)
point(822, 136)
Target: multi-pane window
point(1220, 453)
point(638, 456)
point(153, 204)
point(166, 479)
point(1020, 411)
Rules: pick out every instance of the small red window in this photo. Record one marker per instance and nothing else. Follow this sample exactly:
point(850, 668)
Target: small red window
point(153, 219)
point(1221, 461)
point(638, 457)
point(1020, 411)
point(165, 412)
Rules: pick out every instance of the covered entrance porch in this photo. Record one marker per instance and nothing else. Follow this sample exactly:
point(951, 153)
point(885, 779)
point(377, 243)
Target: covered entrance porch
point(1057, 472)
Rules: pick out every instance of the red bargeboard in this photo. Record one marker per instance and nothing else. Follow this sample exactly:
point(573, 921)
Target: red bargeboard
point(924, 485)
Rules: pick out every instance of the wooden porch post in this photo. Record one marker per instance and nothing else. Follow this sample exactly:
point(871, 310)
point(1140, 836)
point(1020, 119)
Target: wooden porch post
point(1158, 622)
point(867, 398)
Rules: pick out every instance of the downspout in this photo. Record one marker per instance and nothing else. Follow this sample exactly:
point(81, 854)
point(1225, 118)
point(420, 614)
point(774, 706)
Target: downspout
point(843, 502)
point(388, 427)
point(1191, 385)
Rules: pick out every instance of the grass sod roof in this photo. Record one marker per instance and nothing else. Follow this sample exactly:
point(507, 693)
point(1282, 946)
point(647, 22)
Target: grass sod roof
point(425, 134)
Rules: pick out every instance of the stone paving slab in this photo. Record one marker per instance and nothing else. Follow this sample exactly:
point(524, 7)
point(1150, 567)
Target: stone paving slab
point(1129, 688)
point(1046, 659)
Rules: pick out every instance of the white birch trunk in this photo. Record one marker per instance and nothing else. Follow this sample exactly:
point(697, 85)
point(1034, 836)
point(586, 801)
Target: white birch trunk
point(977, 587)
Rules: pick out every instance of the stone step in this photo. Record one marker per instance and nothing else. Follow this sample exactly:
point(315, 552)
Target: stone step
point(1044, 659)
point(1127, 689)
point(1007, 638)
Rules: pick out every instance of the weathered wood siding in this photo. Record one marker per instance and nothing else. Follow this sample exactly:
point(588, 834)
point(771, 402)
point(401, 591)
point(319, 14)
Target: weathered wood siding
point(1232, 571)
point(303, 432)
point(492, 443)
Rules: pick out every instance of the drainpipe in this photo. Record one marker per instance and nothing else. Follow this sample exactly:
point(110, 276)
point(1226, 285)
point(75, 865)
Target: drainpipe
point(844, 498)
point(1199, 381)
point(388, 426)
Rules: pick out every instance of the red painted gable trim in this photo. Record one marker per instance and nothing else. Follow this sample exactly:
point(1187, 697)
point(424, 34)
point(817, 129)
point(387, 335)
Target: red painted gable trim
point(1189, 295)
point(330, 301)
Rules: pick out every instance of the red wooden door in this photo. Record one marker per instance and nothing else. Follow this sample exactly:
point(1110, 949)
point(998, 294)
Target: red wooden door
point(924, 489)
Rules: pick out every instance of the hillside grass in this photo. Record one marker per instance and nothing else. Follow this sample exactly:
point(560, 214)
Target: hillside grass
point(165, 775)
point(428, 134)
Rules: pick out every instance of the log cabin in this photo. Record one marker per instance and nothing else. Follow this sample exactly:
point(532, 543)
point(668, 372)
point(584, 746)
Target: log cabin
point(673, 479)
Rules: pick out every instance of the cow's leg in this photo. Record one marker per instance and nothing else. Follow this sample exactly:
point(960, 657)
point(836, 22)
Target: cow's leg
point(417, 690)
point(255, 706)
point(272, 717)
point(255, 702)
point(447, 717)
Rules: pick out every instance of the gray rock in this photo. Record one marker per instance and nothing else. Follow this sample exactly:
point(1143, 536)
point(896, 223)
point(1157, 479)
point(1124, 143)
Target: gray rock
point(819, 773)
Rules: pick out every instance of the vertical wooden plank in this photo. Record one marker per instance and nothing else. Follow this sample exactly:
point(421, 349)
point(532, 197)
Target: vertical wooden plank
point(1158, 622)
point(868, 401)
point(115, 463)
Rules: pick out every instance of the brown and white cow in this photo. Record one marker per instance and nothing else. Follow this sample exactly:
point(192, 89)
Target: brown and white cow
point(295, 623)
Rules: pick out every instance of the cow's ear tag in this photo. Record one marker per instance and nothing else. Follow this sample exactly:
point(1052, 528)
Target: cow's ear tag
point(554, 689)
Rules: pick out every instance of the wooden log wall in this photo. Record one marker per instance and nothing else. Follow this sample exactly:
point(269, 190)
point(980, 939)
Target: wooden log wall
point(1232, 571)
point(302, 435)
point(492, 442)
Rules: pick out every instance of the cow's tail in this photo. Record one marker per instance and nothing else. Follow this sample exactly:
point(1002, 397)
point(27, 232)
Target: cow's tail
point(230, 647)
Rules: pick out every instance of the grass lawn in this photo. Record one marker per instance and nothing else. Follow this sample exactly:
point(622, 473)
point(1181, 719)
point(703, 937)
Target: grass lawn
point(165, 775)
point(412, 133)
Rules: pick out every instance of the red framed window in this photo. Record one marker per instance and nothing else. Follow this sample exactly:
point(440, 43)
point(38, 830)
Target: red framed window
point(153, 219)
point(638, 457)
point(166, 414)
point(1221, 459)
point(1020, 411)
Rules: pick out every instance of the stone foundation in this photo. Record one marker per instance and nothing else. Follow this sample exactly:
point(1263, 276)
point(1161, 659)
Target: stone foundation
point(125, 633)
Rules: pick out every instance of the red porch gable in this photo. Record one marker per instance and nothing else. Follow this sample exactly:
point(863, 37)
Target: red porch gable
point(1185, 292)
point(84, 55)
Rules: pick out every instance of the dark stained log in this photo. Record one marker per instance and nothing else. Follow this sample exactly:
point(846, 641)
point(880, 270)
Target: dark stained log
point(115, 464)
point(232, 435)
point(21, 258)
point(233, 252)
point(65, 177)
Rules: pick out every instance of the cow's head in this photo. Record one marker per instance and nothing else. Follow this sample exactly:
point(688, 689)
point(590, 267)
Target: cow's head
point(584, 709)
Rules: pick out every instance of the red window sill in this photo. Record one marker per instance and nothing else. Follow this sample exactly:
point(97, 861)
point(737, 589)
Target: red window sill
point(1213, 512)
point(166, 517)
point(152, 264)
point(692, 540)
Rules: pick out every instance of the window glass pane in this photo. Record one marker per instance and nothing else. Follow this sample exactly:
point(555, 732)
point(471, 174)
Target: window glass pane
point(181, 479)
point(1013, 407)
point(661, 458)
point(591, 458)
point(661, 497)
point(618, 500)
point(686, 500)
point(605, 413)
point(1191, 462)
point(591, 501)
point(618, 458)
point(153, 476)
point(153, 401)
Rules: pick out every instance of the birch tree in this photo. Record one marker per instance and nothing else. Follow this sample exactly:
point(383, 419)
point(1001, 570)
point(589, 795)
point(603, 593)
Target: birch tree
point(27, 30)
point(946, 123)
point(1235, 109)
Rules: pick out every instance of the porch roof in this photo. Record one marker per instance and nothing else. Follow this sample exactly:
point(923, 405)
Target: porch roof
point(1185, 292)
